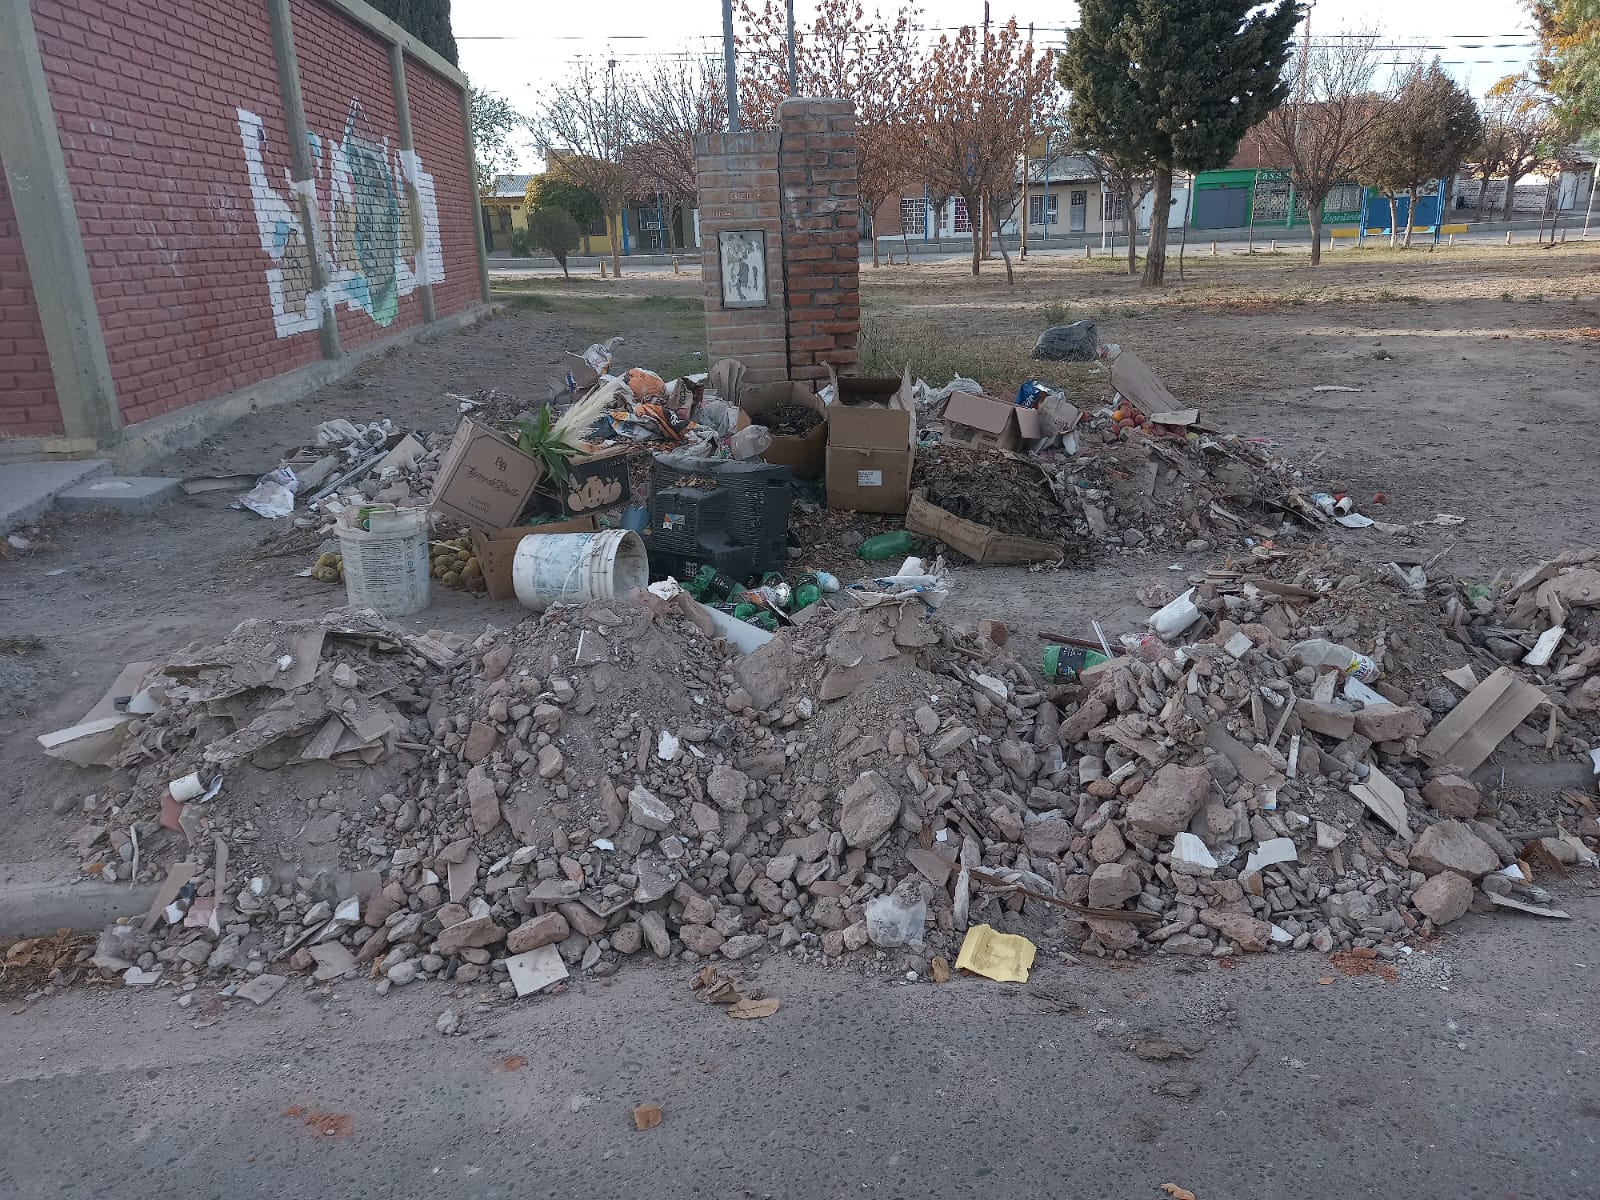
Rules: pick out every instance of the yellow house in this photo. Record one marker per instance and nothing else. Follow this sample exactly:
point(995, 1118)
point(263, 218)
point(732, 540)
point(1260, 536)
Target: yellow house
point(504, 209)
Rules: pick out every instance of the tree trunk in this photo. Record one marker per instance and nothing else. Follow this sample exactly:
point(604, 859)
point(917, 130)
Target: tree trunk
point(1000, 237)
point(1183, 245)
point(872, 232)
point(1130, 227)
point(1314, 215)
point(977, 237)
point(1411, 215)
point(1511, 195)
point(614, 228)
point(1394, 220)
point(1483, 190)
point(565, 274)
point(1155, 255)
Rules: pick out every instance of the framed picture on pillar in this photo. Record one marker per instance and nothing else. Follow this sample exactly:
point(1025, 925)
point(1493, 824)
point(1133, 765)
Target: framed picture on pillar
point(742, 258)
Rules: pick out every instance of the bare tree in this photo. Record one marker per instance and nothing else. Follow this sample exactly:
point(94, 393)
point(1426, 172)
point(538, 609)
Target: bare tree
point(584, 133)
point(1524, 119)
point(1130, 183)
point(1321, 134)
point(979, 105)
point(845, 54)
point(675, 101)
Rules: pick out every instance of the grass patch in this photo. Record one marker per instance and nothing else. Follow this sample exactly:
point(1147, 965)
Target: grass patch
point(20, 645)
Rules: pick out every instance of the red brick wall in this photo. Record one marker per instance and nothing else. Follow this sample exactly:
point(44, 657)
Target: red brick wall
point(147, 99)
point(822, 223)
point(27, 389)
point(344, 76)
point(441, 142)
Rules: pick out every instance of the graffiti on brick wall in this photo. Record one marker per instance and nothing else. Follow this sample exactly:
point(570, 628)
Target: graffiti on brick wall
point(361, 192)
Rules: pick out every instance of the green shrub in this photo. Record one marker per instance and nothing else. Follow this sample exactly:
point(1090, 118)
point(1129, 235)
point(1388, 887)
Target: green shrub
point(555, 231)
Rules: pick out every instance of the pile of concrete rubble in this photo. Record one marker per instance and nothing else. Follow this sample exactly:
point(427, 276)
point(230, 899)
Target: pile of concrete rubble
point(615, 779)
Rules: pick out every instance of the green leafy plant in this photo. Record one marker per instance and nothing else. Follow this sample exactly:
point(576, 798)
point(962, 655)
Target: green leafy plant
point(542, 440)
point(521, 243)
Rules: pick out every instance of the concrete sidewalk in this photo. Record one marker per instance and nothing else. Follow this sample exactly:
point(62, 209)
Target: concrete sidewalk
point(28, 489)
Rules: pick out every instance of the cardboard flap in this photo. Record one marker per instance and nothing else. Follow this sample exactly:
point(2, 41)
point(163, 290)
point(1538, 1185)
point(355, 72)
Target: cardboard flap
point(980, 412)
point(1136, 382)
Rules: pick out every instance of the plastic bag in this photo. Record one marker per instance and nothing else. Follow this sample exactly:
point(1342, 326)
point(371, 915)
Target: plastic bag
point(717, 415)
point(750, 442)
point(895, 921)
point(273, 494)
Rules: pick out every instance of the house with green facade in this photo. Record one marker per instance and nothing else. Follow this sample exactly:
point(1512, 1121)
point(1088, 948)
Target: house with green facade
point(1254, 190)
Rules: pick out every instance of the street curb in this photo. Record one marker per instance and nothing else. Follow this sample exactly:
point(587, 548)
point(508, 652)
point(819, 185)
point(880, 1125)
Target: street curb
point(34, 908)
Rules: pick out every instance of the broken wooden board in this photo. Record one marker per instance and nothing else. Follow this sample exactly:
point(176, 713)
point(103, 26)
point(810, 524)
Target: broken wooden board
point(1521, 906)
point(1384, 799)
point(1471, 731)
point(1464, 678)
point(177, 875)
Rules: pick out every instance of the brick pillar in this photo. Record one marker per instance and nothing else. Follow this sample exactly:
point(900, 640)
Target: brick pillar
point(737, 176)
point(821, 234)
point(797, 186)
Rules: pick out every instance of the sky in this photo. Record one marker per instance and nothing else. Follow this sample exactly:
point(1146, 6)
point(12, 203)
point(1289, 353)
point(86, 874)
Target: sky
point(519, 50)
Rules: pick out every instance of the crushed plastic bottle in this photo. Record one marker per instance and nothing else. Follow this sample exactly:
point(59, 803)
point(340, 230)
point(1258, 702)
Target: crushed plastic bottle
point(1319, 652)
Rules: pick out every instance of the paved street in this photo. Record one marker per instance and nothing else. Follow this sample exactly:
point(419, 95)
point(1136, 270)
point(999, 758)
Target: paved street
point(1473, 1076)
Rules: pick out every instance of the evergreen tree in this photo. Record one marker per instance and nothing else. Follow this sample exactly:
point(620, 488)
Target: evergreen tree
point(1174, 85)
point(426, 20)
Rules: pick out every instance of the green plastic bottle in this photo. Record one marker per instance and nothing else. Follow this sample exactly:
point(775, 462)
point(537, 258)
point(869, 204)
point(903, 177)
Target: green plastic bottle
point(886, 545)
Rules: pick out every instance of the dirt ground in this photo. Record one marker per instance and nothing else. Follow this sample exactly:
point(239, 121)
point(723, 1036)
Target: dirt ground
point(1475, 372)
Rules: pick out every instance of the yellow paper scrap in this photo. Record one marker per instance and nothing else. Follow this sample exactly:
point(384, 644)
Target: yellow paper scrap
point(1003, 957)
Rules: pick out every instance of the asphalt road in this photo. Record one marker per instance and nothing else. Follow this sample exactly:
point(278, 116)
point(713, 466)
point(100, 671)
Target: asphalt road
point(1473, 1076)
point(1293, 241)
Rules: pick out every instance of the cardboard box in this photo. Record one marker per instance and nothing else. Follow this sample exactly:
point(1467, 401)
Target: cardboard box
point(596, 483)
point(988, 424)
point(496, 548)
point(871, 448)
point(805, 456)
point(484, 480)
point(980, 543)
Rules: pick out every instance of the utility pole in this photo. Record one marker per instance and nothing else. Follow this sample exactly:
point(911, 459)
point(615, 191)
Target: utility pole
point(1300, 86)
point(794, 89)
point(730, 70)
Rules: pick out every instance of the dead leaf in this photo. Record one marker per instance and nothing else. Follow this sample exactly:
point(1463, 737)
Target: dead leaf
point(940, 969)
point(1176, 1192)
point(715, 987)
point(1325, 980)
point(514, 1063)
point(1160, 1050)
point(646, 1116)
point(750, 1010)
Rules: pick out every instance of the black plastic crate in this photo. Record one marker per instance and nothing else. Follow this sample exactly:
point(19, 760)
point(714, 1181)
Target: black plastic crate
point(712, 511)
point(736, 562)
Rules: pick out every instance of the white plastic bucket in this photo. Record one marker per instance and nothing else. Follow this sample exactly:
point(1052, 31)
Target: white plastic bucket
point(386, 567)
point(569, 568)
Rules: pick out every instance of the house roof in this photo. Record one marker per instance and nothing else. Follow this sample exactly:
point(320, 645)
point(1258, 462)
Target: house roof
point(1065, 168)
point(508, 187)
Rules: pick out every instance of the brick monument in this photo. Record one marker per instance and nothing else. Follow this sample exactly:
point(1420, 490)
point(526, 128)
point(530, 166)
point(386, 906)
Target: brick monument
point(779, 234)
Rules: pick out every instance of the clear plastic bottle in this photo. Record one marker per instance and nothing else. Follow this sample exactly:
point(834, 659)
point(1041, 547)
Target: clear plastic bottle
point(1319, 652)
